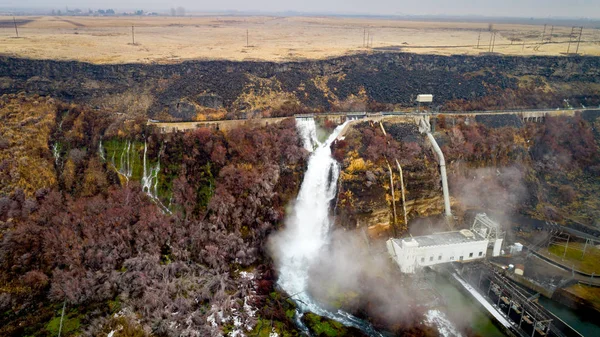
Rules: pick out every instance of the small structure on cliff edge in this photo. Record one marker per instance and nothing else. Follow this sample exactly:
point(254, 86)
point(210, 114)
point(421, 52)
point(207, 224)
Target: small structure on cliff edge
point(413, 253)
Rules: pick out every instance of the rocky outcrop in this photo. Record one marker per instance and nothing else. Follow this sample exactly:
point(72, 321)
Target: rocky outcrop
point(388, 78)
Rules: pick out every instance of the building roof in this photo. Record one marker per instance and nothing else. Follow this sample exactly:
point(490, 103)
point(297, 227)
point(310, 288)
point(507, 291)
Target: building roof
point(445, 238)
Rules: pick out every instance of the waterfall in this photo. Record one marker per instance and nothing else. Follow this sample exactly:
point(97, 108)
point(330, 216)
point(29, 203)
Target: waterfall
point(125, 168)
point(150, 176)
point(150, 179)
point(101, 151)
point(56, 153)
point(308, 133)
point(125, 163)
point(308, 227)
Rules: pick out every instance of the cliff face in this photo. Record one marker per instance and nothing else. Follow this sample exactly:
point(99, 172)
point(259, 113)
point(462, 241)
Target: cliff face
point(217, 89)
point(548, 170)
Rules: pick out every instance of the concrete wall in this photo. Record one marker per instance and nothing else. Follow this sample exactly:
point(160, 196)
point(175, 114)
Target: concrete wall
point(224, 125)
point(409, 259)
point(340, 117)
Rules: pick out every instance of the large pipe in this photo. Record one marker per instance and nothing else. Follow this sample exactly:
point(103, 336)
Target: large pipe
point(393, 197)
point(426, 128)
point(403, 198)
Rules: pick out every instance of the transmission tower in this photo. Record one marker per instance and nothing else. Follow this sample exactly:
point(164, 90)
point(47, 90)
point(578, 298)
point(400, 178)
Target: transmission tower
point(579, 40)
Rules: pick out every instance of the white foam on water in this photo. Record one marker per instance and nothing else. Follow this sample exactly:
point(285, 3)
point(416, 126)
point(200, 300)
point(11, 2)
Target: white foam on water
point(439, 320)
point(308, 226)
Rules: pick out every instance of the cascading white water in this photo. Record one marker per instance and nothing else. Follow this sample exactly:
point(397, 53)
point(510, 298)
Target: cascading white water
point(150, 176)
point(126, 164)
point(150, 180)
point(308, 133)
point(56, 153)
point(307, 228)
point(101, 151)
point(125, 168)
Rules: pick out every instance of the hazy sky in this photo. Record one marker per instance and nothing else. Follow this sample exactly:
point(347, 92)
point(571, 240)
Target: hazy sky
point(520, 8)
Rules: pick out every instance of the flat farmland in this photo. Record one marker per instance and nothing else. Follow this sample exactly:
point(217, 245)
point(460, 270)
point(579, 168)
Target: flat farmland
point(105, 40)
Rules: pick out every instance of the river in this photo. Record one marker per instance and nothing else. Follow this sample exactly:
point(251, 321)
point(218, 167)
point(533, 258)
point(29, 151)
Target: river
point(462, 308)
point(586, 328)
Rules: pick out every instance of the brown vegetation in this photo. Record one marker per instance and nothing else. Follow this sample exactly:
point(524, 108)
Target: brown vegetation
point(26, 160)
point(103, 246)
point(548, 170)
point(173, 39)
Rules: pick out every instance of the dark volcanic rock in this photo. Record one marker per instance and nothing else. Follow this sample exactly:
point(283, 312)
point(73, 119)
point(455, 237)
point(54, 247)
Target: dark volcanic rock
point(210, 101)
point(405, 132)
point(499, 121)
point(393, 78)
point(591, 115)
point(183, 110)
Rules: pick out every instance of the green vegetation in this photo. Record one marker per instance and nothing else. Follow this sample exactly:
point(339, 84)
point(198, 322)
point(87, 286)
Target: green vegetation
point(321, 326)
point(71, 323)
point(207, 186)
point(588, 293)
point(126, 157)
point(265, 327)
point(587, 263)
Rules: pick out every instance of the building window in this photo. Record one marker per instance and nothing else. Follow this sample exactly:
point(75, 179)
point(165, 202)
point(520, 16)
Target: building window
point(431, 258)
point(439, 258)
point(480, 253)
point(422, 260)
point(461, 258)
point(451, 258)
point(470, 254)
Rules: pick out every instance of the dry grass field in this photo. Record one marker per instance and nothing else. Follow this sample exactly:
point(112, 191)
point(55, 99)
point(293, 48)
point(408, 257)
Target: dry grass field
point(173, 39)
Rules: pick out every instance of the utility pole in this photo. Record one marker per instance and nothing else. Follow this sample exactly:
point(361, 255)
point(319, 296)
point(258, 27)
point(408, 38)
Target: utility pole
point(247, 38)
point(368, 34)
point(570, 39)
point(15, 22)
point(492, 42)
point(478, 38)
point(579, 40)
point(551, 32)
point(490, 46)
point(364, 37)
point(62, 317)
point(566, 248)
point(543, 33)
point(132, 36)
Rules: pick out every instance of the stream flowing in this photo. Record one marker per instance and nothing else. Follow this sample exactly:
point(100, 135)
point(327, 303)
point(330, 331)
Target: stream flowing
point(308, 227)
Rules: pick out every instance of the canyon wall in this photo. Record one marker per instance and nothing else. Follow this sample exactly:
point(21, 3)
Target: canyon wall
point(199, 90)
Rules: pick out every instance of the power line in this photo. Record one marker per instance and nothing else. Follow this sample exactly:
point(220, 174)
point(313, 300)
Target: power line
point(579, 40)
point(492, 42)
point(570, 39)
point(543, 33)
point(15, 22)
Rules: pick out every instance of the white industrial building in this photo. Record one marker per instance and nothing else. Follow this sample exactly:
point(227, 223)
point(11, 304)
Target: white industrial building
point(417, 252)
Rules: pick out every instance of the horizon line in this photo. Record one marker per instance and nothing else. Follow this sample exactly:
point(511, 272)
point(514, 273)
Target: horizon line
point(234, 12)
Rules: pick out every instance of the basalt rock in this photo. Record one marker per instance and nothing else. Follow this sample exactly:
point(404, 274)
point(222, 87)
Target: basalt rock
point(385, 78)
